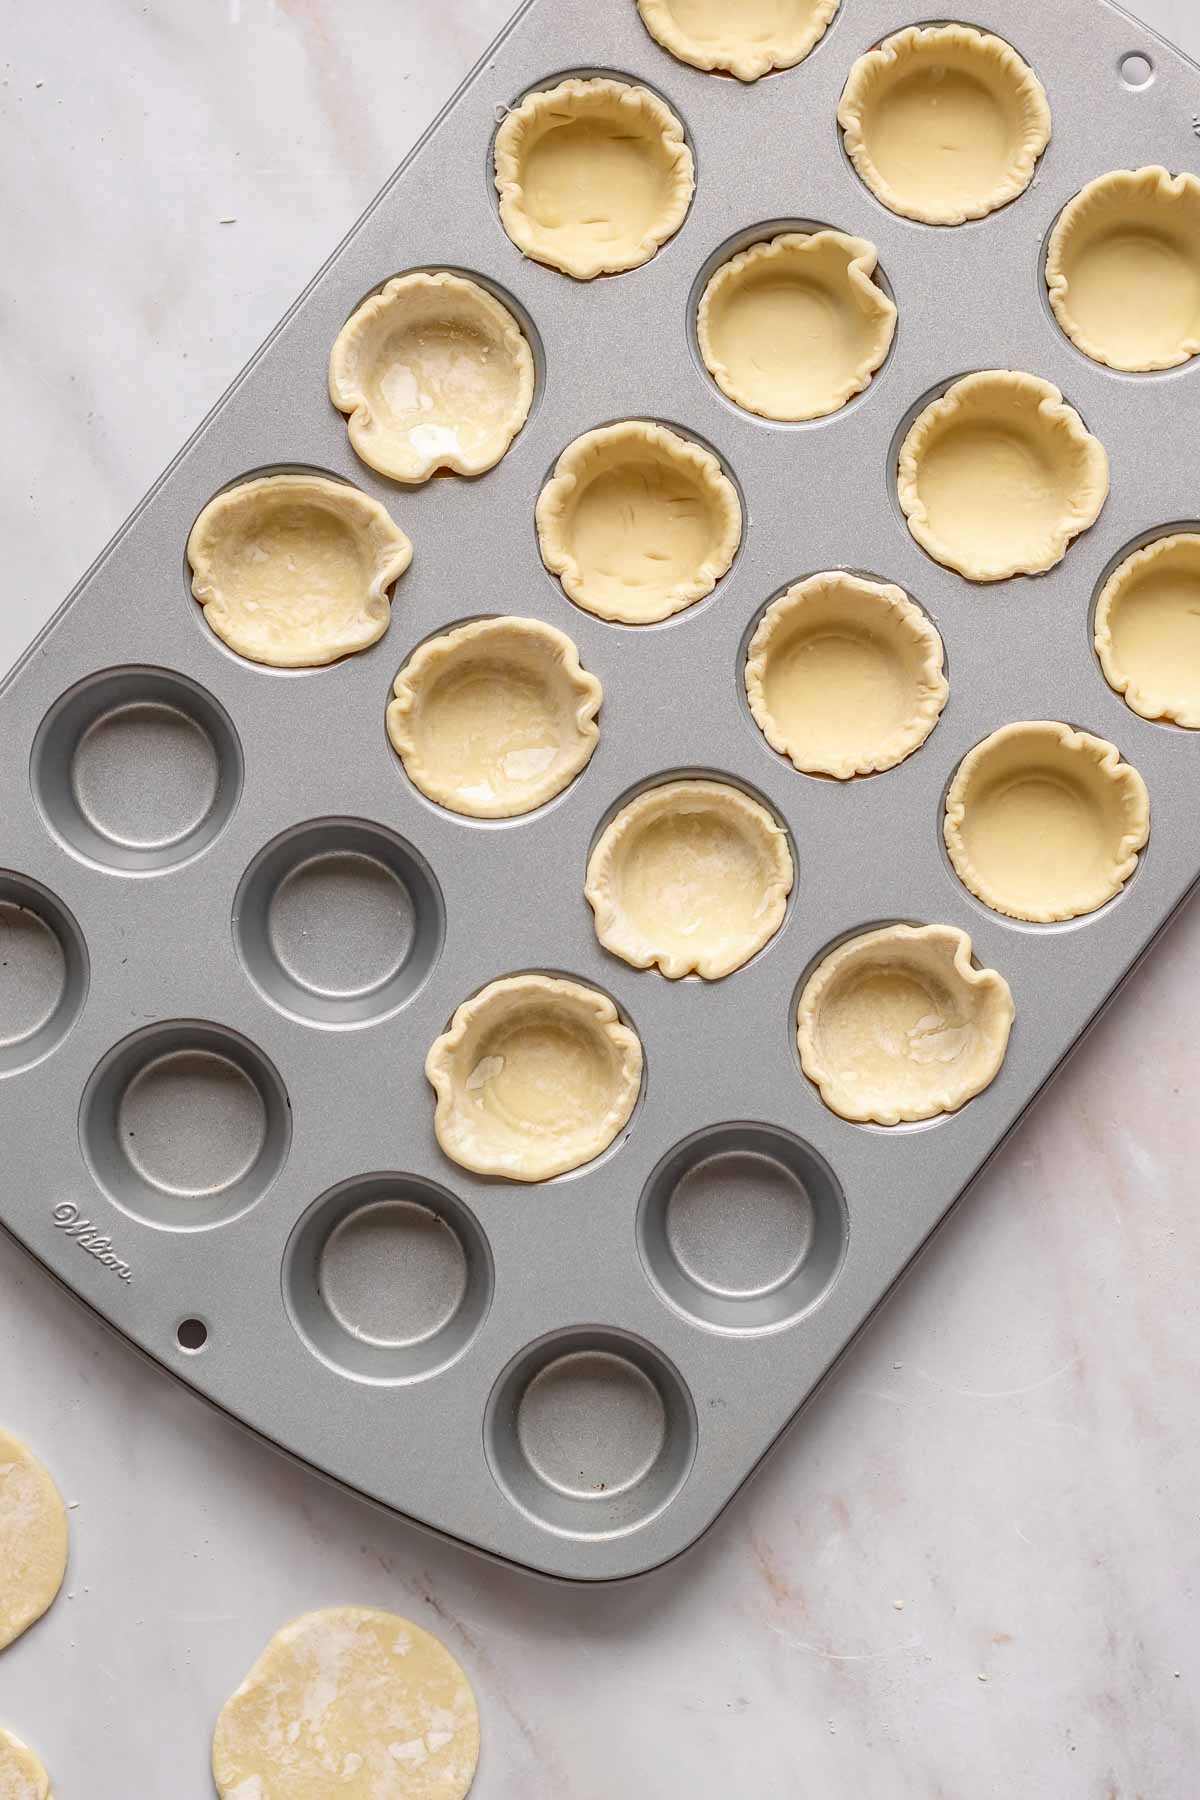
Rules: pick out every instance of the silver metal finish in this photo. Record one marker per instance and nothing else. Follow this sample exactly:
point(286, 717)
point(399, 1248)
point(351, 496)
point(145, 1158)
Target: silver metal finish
point(212, 1102)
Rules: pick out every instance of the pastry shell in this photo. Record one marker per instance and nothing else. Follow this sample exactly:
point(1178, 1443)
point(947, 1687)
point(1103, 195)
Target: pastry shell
point(1123, 269)
point(638, 522)
point(1044, 823)
point(999, 475)
point(795, 326)
point(691, 875)
point(294, 570)
point(748, 40)
point(593, 175)
point(434, 373)
point(845, 676)
point(22, 1773)
point(535, 1076)
point(494, 718)
point(1147, 630)
point(898, 1024)
point(969, 120)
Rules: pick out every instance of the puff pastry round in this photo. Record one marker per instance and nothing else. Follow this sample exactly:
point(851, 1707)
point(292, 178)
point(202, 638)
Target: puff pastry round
point(637, 522)
point(1045, 823)
point(1147, 630)
point(944, 123)
point(294, 570)
point(434, 373)
point(999, 475)
point(33, 1538)
point(22, 1776)
point(1123, 269)
point(748, 39)
point(794, 327)
point(593, 176)
point(494, 718)
point(693, 876)
point(898, 1025)
point(845, 676)
point(535, 1076)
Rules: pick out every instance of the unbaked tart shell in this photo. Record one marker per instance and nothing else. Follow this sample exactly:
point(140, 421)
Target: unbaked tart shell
point(22, 1774)
point(898, 1024)
point(1045, 823)
point(845, 676)
point(638, 522)
point(294, 570)
point(434, 373)
point(999, 475)
point(1147, 630)
point(748, 40)
point(494, 718)
point(691, 875)
point(944, 123)
point(535, 1076)
point(793, 327)
point(1123, 269)
point(593, 175)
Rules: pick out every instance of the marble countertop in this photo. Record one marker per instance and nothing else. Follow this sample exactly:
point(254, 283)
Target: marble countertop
point(971, 1572)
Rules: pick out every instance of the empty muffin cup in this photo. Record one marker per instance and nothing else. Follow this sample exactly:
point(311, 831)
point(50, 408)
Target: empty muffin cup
point(1147, 630)
point(747, 40)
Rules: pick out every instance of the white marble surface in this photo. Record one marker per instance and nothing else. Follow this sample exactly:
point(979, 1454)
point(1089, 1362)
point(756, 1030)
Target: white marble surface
point(971, 1572)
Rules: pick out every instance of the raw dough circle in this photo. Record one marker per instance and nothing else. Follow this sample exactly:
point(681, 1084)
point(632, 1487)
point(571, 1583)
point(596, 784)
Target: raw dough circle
point(22, 1776)
point(998, 475)
point(294, 570)
point(352, 1701)
point(33, 1538)
point(593, 176)
point(435, 373)
point(898, 1024)
point(844, 675)
point(748, 40)
point(638, 522)
point(944, 123)
point(1044, 823)
point(1147, 630)
point(1123, 269)
point(795, 326)
point(535, 1076)
point(693, 876)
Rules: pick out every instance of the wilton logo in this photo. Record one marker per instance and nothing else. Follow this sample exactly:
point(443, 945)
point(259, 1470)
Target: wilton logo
point(67, 1218)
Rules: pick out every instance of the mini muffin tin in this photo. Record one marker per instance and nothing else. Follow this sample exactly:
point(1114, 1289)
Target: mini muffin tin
point(231, 927)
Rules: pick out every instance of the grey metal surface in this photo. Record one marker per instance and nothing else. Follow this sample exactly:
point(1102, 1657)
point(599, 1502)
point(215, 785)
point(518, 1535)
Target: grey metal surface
point(212, 1112)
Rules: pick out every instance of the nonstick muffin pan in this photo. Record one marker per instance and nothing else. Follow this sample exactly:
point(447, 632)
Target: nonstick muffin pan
point(232, 926)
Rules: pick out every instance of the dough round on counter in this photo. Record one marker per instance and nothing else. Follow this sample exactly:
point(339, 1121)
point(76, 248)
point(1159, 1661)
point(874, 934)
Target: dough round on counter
point(898, 1024)
point(844, 675)
point(1045, 823)
point(1123, 269)
point(794, 327)
point(944, 123)
point(494, 718)
point(1147, 630)
point(435, 373)
point(999, 475)
point(294, 570)
point(637, 522)
point(22, 1776)
point(33, 1538)
point(593, 176)
point(693, 876)
point(748, 40)
point(352, 1702)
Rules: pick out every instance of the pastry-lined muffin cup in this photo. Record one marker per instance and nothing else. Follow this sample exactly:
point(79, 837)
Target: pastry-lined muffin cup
point(747, 41)
point(1147, 630)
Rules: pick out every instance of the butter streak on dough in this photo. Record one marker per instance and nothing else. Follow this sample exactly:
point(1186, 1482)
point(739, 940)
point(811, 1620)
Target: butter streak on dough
point(349, 1702)
point(22, 1776)
point(748, 39)
point(33, 1538)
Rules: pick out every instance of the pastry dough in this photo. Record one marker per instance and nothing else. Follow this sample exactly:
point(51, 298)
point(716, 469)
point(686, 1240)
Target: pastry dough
point(294, 570)
point(535, 1076)
point(944, 123)
point(999, 475)
point(1123, 269)
point(637, 522)
point(33, 1538)
point(1045, 823)
point(22, 1776)
point(352, 1702)
point(899, 1024)
point(435, 374)
point(593, 176)
point(693, 876)
point(844, 675)
point(494, 718)
point(1148, 630)
point(748, 39)
point(794, 327)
